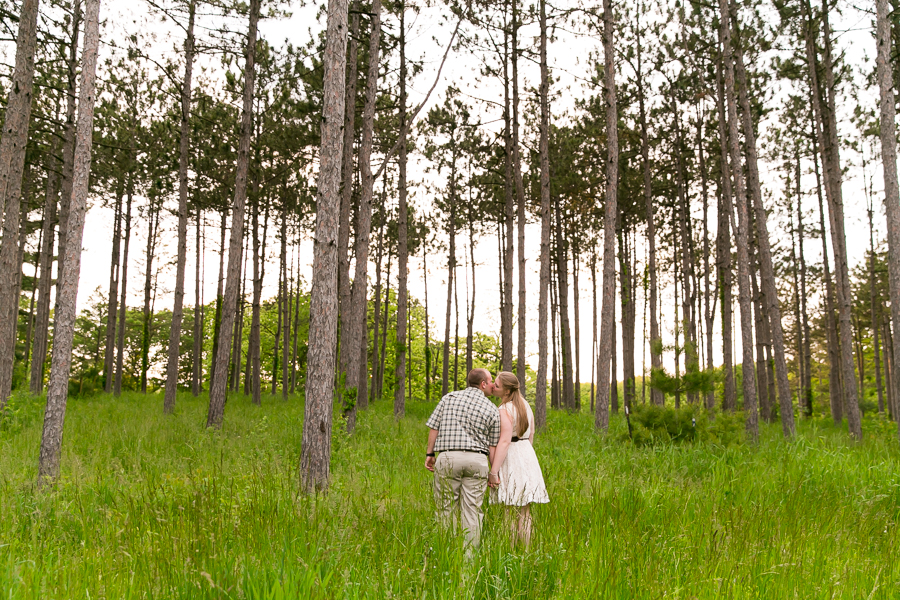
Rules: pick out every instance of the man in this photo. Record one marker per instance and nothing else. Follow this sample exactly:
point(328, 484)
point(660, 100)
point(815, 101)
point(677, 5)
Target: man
point(464, 430)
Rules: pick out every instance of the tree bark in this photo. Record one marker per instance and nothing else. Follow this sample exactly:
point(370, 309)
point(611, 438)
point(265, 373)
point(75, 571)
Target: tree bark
point(184, 149)
point(520, 200)
point(402, 235)
point(42, 321)
point(451, 271)
point(709, 302)
point(506, 313)
point(723, 248)
point(891, 194)
point(220, 376)
point(565, 331)
point(112, 311)
point(767, 269)
point(376, 317)
point(123, 308)
point(357, 336)
point(13, 143)
point(147, 314)
point(742, 230)
point(607, 310)
point(470, 321)
point(315, 453)
point(285, 308)
point(64, 327)
point(197, 367)
point(540, 394)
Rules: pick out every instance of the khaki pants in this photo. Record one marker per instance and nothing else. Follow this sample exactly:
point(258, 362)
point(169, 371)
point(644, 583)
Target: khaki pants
point(460, 480)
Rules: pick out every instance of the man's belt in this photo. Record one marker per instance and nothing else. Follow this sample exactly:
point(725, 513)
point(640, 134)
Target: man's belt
point(466, 450)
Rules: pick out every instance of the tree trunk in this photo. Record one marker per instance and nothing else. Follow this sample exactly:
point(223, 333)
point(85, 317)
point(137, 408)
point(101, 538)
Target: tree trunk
point(384, 330)
point(875, 315)
point(520, 200)
point(376, 314)
point(565, 331)
point(772, 310)
point(237, 343)
point(540, 393)
point(184, 157)
point(742, 229)
point(626, 277)
point(795, 272)
point(709, 303)
point(13, 143)
point(762, 375)
point(112, 297)
point(826, 132)
point(723, 248)
point(427, 322)
point(315, 455)
point(285, 308)
point(42, 322)
point(451, 279)
point(506, 313)
point(64, 326)
point(217, 387)
point(608, 310)
point(594, 328)
point(123, 308)
point(153, 217)
point(575, 252)
point(807, 355)
point(196, 370)
point(554, 317)
point(347, 352)
point(891, 194)
point(403, 242)
point(470, 324)
point(279, 301)
point(357, 336)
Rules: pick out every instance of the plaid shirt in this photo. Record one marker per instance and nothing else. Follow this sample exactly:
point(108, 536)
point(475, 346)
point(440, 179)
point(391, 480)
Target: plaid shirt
point(465, 420)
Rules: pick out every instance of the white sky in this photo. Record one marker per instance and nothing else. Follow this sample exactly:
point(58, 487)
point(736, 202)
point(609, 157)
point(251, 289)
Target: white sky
point(568, 58)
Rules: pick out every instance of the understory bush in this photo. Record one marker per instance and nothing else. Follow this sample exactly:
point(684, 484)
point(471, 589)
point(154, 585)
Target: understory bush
point(651, 424)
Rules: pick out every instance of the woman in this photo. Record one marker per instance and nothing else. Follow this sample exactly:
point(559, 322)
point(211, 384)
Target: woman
point(515, 463)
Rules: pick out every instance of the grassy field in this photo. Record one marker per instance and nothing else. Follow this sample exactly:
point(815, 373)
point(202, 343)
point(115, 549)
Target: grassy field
point(158, 507)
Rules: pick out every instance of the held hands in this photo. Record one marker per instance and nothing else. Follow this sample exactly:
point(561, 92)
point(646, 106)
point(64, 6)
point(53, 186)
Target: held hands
point(493, 479)
point(429, 463)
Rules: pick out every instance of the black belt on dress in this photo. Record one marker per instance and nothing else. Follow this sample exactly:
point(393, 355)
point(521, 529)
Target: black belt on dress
point(517, 439)
point(467, 450)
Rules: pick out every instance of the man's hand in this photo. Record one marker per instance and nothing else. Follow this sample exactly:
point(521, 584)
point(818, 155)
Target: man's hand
point(493, 480)
point(429, 463)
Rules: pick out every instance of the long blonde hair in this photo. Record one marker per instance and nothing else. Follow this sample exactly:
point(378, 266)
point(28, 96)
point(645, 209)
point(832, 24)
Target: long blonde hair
point(510, 383)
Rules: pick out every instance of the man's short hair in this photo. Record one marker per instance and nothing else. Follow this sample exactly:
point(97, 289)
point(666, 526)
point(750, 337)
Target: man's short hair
point(476, 377)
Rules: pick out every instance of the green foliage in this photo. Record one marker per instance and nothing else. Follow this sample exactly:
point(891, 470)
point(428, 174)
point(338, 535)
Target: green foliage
point(652, 425)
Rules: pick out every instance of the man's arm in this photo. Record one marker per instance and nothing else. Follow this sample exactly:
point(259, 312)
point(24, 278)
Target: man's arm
point(429, 450)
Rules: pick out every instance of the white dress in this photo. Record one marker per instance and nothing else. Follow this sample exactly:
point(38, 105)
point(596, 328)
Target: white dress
point(521, 480)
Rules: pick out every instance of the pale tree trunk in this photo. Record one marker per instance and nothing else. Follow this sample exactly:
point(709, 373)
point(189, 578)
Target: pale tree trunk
point(315, 453)
point(742, 231)
point(123, 308)
point(575, 250)
point(451, 271)
point(836, 394)
point(762, 374)
point(153, 217)
point(64, 327)
point(656, 396)
point(626, 295)
point(229, 309)
point(470, 301)
point(562, 271)
point(540, 393)
point(723, 248)
point(197, 357)
point(184, 157)
point(520, 198)
point(42, 322)
point(594, 328)
point(506, 314)
point(607, 310)
point(891, 194)
point(376, 320)
point(795, 273)
point(402, 237)
point(691, 360)
point(875, 312)
point(767, 270)
point(427, 322)
point(259, 269)
point(357, 336)
point(346, 351)
point(112, 311)
point(806, 353)
point(12, 163)
point(285, 309)
point(68, 152)
point(709, 303)
point(826, 132)
point(384, 329)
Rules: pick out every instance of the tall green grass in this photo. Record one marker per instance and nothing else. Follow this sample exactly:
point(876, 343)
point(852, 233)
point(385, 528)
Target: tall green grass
point(151, 506)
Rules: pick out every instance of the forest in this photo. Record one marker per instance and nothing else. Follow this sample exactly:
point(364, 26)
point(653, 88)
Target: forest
point(677, 222)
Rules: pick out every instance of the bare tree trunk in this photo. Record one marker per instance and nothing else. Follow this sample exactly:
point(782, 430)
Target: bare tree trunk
point(607, 313)
point(891, 194)
point(347, 352)
point(403, 242)
point(506, 313)
point(451, 279)
point(64, 327)
point(709, 303)
point(357, 336)
point(315, 454)
point(384, 330)
point(520, 199)
point(470, 321)
point(237, 343)
point(153, 217)
point(594, 328)
point(743, 231)
point(277, 341)
point(691, 361)
point(286, 309)
point(196, 371)
point(376, 315)
point(112, 310)
point(259, 271)
point(575, 251)
point(123, 308)
point(626, 290)
point(297, 293)
point(562, 269)
point(42, 322)
point(540, 393)
point(762, 375)
point(772, 309)
point(554, 318)
point(723, 248)
point(795, 272)
point(807, 355)
point(427, 322)
point(876, 316)
point(12, 163)
point(181, 263)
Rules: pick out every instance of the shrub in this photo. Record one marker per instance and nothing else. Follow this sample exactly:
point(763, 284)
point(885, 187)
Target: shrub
point(651, 425)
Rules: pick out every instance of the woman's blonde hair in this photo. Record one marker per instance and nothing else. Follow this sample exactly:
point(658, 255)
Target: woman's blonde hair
point(510, 383)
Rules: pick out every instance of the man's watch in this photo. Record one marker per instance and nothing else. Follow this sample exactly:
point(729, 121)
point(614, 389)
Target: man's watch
point(431, 454)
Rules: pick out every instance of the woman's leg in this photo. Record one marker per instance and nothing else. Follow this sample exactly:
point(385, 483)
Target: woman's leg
point(524, 524)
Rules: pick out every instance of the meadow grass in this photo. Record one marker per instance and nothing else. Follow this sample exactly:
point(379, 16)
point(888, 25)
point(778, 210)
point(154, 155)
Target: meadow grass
point(154, 506)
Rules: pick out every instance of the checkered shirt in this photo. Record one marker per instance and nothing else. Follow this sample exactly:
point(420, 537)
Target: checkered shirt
point(465, 420)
